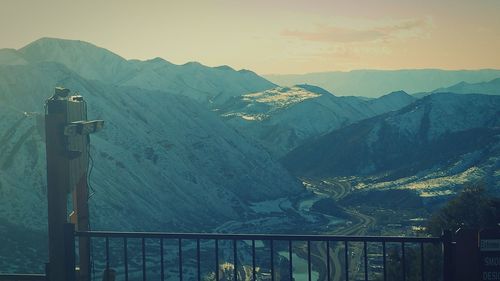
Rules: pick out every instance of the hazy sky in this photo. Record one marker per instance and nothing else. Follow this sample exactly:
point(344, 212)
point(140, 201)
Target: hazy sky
point(271, 36)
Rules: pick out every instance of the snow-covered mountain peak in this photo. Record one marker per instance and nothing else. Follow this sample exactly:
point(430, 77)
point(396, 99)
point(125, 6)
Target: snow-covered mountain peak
point(53, 49)
point(209, 85)
point(84, 58)
point(443, 113)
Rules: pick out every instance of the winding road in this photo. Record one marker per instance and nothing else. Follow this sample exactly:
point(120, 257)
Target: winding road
point(338, 190)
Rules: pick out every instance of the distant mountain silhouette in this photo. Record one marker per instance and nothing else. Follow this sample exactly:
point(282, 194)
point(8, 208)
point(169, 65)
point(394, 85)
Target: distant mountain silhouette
point(374, 83)
point(487, 88)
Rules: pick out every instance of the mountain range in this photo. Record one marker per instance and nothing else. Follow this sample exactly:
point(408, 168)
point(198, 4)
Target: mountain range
point(374, 83)
point(283, 118)
point(163, 162)
point(196, 148)
point(157, 147)
point(432, 146)
point(199, 82)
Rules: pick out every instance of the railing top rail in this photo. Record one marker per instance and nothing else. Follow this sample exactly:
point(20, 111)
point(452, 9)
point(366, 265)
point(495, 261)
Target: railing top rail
point(19, 277)
point(285, 237)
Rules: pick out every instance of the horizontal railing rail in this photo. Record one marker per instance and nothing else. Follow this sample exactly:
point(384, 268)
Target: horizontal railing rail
point(278, 237)
point(22, 277)
point(276, 257)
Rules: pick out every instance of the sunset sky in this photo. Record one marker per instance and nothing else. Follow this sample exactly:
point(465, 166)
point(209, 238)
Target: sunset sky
point(272, 36)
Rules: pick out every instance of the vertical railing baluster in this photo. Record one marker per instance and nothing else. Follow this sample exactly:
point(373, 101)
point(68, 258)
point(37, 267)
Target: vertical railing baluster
point(143, 244)
point(384, 260)
point(290, 257)
point(422, 269)
point(309, 260)
point(346, 256)
point(198, 262)
point(328, 278)
point(403, 259)
point(272, 259)
point(107, 258)
point(253, 261)
point(365, 250)
point(216, 259)
point(162, 261)
point(235, 257)
point(125, 257)
point(180, 259)
point(90, 249)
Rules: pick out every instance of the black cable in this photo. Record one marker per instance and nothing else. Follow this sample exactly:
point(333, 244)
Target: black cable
point(91, 164)
point(90, 168)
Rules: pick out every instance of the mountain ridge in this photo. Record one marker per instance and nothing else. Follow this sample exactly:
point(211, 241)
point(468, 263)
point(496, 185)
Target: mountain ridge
point(491, 87)
point(432, 134)
point(192, 79)
point(374, 83)
point(284, 117)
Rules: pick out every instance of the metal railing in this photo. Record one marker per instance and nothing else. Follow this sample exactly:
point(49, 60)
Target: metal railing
point(189, 256)
point(22, 277)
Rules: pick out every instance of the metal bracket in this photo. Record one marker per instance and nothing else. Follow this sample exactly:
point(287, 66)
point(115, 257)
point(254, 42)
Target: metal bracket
point(83, 127)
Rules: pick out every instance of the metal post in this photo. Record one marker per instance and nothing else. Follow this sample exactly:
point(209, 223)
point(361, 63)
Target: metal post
point(69, 248)
point(466, 251)
point(57, 178)
point(447, 256)
point(83, 224)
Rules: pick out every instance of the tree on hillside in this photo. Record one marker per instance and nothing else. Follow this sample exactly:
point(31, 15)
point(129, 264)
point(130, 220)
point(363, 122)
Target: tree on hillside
point(473, 208)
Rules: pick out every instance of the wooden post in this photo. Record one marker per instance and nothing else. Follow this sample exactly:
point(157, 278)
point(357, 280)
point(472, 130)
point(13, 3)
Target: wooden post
point(67, 143)
point(57, 188)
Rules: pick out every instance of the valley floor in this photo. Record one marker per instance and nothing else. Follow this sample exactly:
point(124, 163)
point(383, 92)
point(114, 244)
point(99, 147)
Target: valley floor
point(302, 215)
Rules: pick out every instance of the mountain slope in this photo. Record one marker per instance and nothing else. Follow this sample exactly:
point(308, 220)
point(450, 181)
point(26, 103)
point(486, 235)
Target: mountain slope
point(374, 83)
point(162, 162)
point(284, 117)
point(208, 85)
point(441, 133)
point(11, 57)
